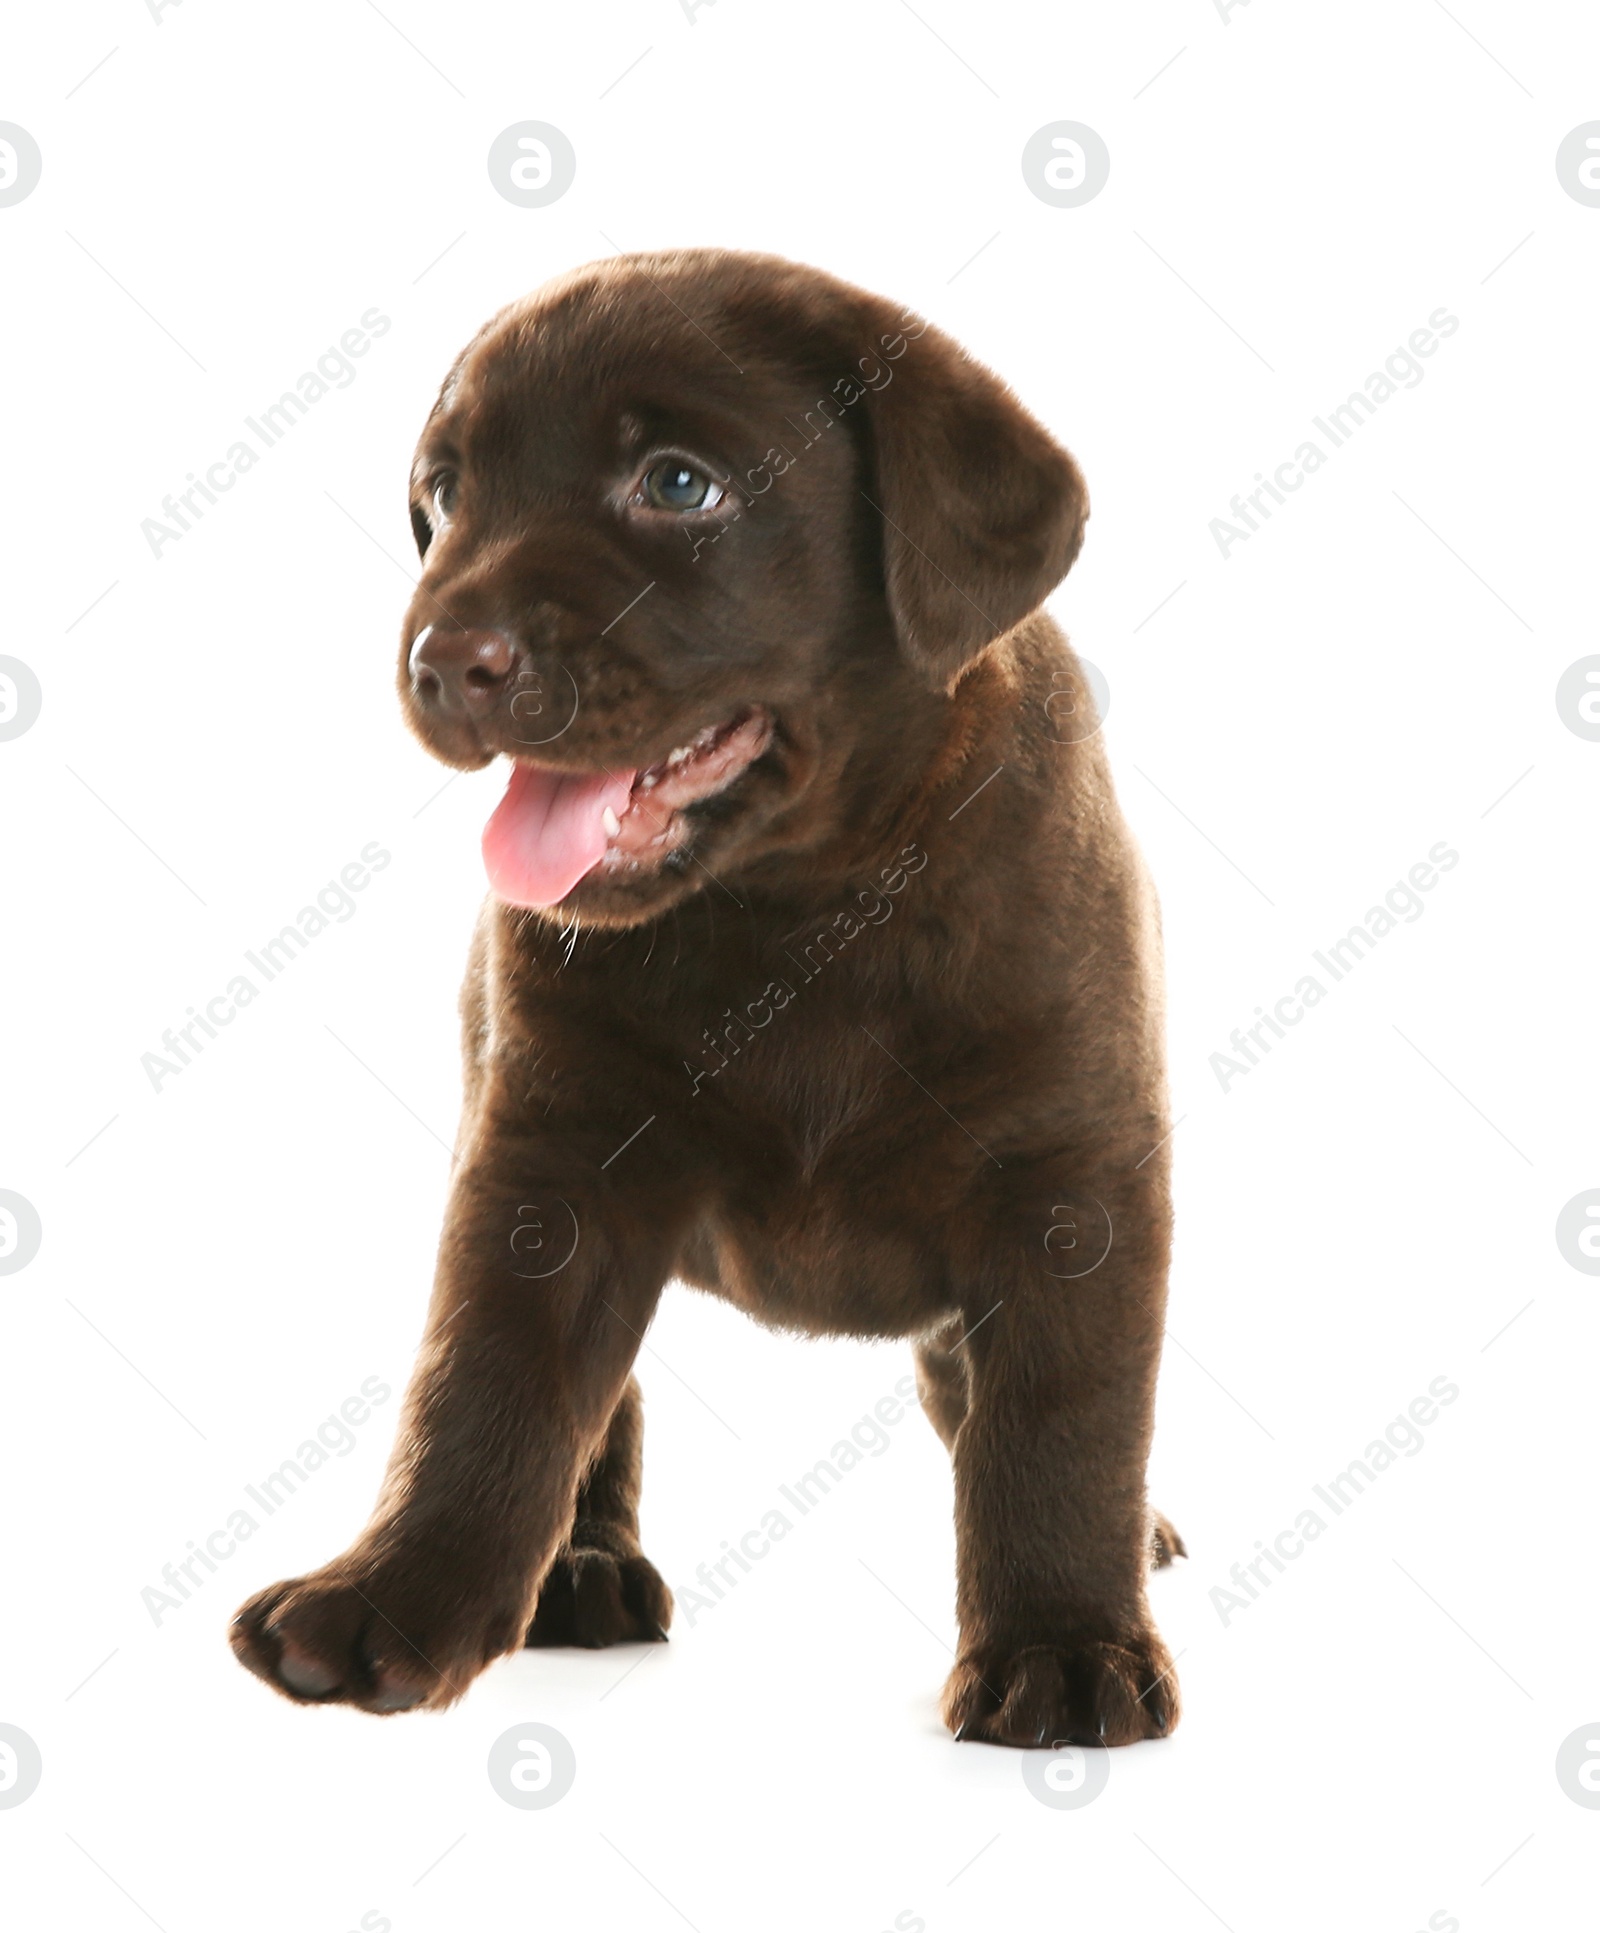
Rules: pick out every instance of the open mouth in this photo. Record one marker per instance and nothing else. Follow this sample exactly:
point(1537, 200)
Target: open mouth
point(554, 827)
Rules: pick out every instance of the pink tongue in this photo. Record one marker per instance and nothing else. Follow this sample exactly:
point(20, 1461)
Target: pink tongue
point(547, 831)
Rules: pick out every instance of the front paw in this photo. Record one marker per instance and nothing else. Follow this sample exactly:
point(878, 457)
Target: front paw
point(1111, 1690)
point(387, 1637)
point(595, 1598)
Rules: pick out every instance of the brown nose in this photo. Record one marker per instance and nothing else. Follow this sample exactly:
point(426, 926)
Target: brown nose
point(459, 670)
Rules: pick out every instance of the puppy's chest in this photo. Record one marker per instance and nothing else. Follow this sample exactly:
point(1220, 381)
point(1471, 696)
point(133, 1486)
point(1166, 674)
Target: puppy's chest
point(802, 1076)
point(824, 1189)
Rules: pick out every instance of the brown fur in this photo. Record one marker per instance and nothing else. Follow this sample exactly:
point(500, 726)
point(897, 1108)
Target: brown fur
point(953, 1094)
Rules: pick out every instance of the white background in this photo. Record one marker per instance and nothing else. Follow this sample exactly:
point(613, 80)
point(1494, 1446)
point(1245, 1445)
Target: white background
point(1373, 1741)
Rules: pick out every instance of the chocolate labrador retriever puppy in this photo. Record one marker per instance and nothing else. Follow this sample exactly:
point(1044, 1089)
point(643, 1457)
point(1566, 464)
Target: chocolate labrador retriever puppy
point(820, 971)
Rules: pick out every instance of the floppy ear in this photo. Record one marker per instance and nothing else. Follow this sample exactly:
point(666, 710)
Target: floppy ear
point(982, 510)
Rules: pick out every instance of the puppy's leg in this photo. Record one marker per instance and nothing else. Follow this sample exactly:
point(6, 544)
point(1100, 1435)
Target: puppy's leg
point(1054, 1536)
point(514, 1389)
point(942, 1380)
point(942, 1391)
point(1165, 1543)
point(602, 1589)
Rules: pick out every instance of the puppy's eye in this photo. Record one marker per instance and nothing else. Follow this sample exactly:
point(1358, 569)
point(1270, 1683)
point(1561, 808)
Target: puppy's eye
point(675, 485)
point(444, 499)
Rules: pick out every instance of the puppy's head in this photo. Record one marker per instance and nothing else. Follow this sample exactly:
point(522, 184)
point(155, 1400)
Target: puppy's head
point(700, 533)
